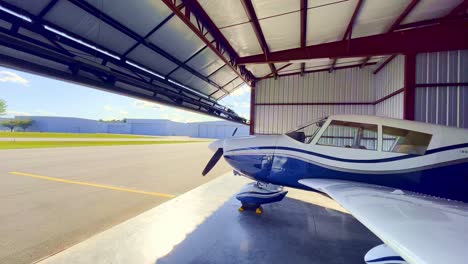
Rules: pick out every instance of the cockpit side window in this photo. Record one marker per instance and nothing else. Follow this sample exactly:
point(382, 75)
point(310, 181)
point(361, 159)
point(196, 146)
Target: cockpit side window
point(404, 141)
point(306, 133)
point(350, 135)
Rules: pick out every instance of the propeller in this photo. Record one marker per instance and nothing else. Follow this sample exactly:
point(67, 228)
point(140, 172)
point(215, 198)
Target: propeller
point(217, 155)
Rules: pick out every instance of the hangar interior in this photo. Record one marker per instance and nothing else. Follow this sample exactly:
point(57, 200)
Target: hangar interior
point(303, 59)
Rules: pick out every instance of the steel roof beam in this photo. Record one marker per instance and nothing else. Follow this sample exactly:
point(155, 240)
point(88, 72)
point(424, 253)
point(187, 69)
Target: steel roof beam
point(349, 29)
point(37, 27)
point(303, 29)
point(450, 36)
point(120, 27)
point(398, 21)
point(103, 72)
point(431, 22)
point(221, 43)
point(250, 11)
point(47, 8)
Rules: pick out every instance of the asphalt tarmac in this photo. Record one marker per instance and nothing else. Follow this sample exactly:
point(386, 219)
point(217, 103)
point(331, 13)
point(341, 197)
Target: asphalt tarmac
point(51, 199)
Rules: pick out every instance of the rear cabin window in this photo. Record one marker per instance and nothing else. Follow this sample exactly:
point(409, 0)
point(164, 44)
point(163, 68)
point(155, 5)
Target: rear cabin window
point(350, 135)
point(404, 141)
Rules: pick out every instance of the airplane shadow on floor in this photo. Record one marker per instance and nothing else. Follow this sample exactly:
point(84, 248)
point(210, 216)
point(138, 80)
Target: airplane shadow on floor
point(291, 231)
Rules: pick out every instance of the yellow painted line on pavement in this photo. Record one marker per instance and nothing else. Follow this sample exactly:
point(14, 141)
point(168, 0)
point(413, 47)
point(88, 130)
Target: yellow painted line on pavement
point(92, 184)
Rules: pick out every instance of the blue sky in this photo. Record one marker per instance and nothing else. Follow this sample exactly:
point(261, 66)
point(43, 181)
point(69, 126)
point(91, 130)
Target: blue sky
point(28, 94)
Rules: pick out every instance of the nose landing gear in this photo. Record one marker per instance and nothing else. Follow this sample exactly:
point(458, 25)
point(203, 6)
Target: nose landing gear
point(253, 195)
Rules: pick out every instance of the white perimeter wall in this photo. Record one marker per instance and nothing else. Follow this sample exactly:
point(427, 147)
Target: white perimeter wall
point(158, 127)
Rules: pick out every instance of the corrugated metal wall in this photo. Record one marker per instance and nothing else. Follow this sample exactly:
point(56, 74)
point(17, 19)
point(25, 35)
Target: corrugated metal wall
point(346, 85)
point(390, 79)
point(279, 119)
point(444, 105)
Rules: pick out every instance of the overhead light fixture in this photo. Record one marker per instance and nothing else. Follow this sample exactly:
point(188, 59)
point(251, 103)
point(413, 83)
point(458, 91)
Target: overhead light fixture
point(144, 69)
point(18, 15)
point(79, 41)
point(185, 87)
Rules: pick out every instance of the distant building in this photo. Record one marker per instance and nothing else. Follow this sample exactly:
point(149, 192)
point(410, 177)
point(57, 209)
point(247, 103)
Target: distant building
point(157, 127)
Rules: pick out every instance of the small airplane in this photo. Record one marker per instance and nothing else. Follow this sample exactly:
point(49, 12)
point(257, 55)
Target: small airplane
point(406, 181)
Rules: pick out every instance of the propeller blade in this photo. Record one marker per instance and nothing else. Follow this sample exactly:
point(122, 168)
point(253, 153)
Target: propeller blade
point(218, 154)
point(233, 133)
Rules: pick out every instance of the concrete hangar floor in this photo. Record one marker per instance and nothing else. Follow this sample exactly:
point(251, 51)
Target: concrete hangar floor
point(148, 204)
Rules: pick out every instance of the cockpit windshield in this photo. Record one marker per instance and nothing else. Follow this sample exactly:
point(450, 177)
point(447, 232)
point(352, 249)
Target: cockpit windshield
point(306, 132)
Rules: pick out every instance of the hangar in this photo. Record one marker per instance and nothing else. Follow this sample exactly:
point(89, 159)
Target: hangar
point(406, 59)
point(303, 59)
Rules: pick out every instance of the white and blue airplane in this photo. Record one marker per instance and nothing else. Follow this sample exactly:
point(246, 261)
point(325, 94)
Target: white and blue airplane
point(406, 181)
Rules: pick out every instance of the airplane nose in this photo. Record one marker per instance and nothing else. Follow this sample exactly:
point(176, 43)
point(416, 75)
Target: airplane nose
point(215, 145)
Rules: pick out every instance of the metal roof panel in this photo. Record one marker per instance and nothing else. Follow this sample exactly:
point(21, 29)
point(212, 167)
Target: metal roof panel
point(242, 39)
point(328, 23)
point(225, 13)
point(80, 22)
point(282, 32)
point(269, 8)
point(428, 9)
point(144, 16)
point(152, 60)
point(33, 7)
point(376, 17)
point(177, 39)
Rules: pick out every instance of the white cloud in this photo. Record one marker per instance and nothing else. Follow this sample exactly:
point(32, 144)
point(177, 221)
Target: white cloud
point(12, 113)
point(115, 113)
point(6, 76)
point(148, 105)
point(241, 90)
point(45, 113)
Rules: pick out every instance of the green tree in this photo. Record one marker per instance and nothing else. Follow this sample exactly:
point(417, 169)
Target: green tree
point(2, 107)
point(24, 124)
point(11, 124)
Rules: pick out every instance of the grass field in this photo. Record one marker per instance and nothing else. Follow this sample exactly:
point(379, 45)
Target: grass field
point(65, 135)
point(59, 144)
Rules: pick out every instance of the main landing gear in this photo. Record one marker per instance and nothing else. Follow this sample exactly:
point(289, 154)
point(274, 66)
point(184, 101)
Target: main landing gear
point(253, 195)
point(258, 208)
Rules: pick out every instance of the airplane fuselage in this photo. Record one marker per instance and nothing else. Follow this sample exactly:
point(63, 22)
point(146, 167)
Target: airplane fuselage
point(442, 170)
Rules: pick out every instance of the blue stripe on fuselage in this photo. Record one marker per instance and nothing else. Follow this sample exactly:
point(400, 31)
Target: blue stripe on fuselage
point(431, 151)
point(448, 181)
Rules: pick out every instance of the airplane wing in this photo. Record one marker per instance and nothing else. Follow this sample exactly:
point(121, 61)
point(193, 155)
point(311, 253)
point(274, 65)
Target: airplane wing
point(422, 229)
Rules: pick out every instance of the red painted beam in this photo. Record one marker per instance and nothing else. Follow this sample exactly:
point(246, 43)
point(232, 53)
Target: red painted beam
point(349, 29)
point(410, 87)
point(303, 28)
point(250, 11)
point(252, 110)
point(430, 22)
point(450, 36)
point(311, 71)
point(196, 10)
point(459, 9)
point(387, 61)
point(279, 69)
point(398, 21)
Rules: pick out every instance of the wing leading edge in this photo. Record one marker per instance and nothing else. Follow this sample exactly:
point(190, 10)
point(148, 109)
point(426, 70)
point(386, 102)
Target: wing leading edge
point(422, 229)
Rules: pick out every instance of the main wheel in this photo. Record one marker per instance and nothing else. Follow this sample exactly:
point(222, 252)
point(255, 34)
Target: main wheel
point(259, 210)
